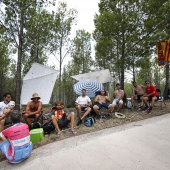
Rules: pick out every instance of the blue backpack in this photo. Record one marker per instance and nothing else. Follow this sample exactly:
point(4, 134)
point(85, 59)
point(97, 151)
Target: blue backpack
point(89, 121)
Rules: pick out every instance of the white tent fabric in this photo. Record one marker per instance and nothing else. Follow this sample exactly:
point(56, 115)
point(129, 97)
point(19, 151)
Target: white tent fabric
point(40, 79)
point(102, 76)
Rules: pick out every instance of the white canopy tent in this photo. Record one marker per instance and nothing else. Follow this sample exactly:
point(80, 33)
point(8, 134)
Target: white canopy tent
point(102, 76)
point(40, 79)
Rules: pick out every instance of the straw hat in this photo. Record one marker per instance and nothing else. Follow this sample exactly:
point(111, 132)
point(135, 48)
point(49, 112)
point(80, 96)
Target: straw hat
point(35, 95)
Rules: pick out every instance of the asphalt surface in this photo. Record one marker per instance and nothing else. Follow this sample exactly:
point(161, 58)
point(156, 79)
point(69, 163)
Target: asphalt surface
point(142, 145)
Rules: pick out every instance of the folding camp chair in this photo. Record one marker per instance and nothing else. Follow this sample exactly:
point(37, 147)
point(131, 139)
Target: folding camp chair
point(161, 98)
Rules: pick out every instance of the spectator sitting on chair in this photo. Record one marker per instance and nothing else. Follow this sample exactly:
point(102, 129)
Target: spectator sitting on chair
point(61, 119)
point(138, 92)
point(82, 104)
point(102, 101)
point(118, 97)
point(19, 146)
point(6, 107)
point(150, 95)
point(33, 109)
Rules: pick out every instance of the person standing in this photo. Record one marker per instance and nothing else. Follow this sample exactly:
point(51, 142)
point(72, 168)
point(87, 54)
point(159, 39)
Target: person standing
point(6, 107)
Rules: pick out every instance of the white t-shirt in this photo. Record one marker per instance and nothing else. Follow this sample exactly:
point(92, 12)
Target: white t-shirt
point(83, 100)
point(5, 106)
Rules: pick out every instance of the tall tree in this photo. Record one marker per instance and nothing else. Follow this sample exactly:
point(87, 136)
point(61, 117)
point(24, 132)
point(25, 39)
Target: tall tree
point(131, 29)
point(14, 16)
point(4, 65)
point(120, 23)
point(64, 18)
point(38, 38)
point(81, 51)
point(157, 25)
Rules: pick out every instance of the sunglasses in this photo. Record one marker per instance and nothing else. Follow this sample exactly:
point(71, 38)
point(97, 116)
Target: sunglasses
point(146, 83)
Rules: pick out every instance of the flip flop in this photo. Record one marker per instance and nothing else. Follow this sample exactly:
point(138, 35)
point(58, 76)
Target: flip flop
point(58, 135)
point(73, 132)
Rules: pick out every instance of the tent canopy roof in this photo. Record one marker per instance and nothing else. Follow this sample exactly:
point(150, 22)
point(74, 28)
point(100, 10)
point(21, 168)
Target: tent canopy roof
point(39, 79)
point(102, 76)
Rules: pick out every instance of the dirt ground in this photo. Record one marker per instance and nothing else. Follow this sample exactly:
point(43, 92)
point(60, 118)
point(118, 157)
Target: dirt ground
point(132, 115)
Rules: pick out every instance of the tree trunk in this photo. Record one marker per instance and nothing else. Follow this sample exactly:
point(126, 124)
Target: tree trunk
point(18, 77)
point(59, 85)
point(134, 78)
point(122, 63)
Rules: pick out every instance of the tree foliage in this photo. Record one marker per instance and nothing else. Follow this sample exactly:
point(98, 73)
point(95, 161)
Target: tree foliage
point(60, 45)
point(81, 52)
point(126, 32)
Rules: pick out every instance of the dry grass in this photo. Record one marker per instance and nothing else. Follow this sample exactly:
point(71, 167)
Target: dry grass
point(131, 116)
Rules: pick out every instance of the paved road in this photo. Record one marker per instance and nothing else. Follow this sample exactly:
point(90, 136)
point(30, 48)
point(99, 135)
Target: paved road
point(143, 145)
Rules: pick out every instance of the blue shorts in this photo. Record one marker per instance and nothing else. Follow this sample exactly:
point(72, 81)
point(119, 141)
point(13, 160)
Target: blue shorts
point(105, 105)
point(6, 149)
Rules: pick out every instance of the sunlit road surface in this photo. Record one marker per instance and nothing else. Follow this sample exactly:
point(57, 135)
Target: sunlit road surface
point(142, 145)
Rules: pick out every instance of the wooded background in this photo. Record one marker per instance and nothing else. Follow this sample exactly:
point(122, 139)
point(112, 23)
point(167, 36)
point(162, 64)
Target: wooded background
point(126, 33)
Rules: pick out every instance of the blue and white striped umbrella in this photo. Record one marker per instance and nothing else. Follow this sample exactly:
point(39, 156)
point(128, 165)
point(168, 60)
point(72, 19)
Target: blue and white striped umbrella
point(91, 87)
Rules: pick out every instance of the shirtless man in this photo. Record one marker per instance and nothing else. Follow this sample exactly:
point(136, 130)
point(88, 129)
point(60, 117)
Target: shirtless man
point(118, 96)
point(101, 101)
point(33, 109)
point(6, 107)
point(137, 92)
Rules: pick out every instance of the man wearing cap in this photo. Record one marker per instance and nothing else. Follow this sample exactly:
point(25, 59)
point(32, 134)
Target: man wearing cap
point(150, 94)
point(6, 107)
point(33, 109)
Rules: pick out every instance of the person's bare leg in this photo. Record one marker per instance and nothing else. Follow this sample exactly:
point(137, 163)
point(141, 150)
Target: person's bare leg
point(2, 122)
point(88, 109)
point(96, 109)
point(111, 108)
point(79, 111)
point(145, 101)
point(120, 107)
point(7, 112)
point(153, 101)
point(71, 118)
point(28, 120)
point(54, 121)
point(37, 116)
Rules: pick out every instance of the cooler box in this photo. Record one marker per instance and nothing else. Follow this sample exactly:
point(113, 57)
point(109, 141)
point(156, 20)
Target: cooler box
point(36, 135)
